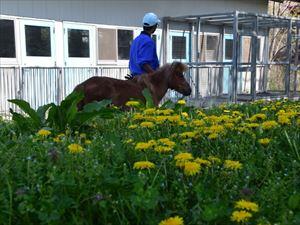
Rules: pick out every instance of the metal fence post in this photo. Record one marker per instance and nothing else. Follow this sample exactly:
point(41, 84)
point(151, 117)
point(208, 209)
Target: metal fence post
point(253, 59)
point(289, 57)
point(233, 91)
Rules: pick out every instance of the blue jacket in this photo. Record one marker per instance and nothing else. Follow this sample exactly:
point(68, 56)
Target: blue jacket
point(142, 51)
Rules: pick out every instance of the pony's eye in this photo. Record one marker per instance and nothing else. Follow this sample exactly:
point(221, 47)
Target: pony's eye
point(180, 74)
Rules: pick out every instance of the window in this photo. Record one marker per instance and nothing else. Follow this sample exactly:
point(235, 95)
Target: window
point(79, 45)
point(178, 47)
point(125, 38)
point(107, 48)
point(7, 39)
point(37, 41)
point(114, 45)
point(212, 45)
point(246, 49)
point(78, 42)
point(228, 49)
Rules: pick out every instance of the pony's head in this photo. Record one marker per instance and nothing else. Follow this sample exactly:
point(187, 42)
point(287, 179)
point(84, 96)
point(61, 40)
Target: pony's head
point(176, 80)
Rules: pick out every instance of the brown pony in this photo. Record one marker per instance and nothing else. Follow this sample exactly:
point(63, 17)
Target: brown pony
point(170, 76)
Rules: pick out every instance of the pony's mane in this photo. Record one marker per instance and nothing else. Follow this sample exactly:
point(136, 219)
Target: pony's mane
point(164, 67)
point(179, 66)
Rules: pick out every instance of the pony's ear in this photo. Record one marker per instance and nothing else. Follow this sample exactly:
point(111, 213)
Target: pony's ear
point(179, 67)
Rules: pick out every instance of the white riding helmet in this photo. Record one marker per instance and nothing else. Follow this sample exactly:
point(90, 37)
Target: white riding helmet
point(150, 19)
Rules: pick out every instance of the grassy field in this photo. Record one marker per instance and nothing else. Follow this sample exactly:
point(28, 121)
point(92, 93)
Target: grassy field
point(232, 164)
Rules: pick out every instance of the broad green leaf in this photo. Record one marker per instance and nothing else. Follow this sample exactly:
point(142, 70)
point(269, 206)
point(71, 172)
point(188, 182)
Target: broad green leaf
point(25, 106)
point(96, 106)
point(69, 105)
point(21, 121)
point(148, 97)
point(41, 111)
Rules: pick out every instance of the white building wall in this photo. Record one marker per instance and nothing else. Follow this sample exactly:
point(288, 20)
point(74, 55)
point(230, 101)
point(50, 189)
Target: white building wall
point(123, 12)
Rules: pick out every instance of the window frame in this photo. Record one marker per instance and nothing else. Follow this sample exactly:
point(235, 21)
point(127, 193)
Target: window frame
point(123, 61)
point(259, 53)
point(38, 60)
point(106, 61)
point(79, 61)
point(4, 61)
point(117, 61)
point(177, 33)
point(218, 37)
point(227, 37)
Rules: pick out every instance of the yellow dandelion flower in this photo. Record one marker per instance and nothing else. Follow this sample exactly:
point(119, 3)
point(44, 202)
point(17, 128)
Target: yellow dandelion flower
point(167, 142)
point(165, 112)
point(61, 135)
point(180, 163)
point(182, 123)
point(43, 133)
point(143, 146)
point(202, 162)
point(181, 102)
point(152, 143)
point(160, 119)
point(198, 123)
point(191, 168)
point(188, 134)
point(240, 216)
point(252, 125)
point(56, 139)
point(231, 164)
point(162, 149)
point(183, 156)
point(176, 220)
point(200, 113)
point(229, 125)
point(268, 125)
point(132, 103)
point(143, 165)
point(75, 148)
point(247, 205)
point(256, 117)
point(185, 114)
point(214, 159)
point(147, 124)
point(149, 111)
point(215, 129)
point(264, 141)
point(87, 142)
point(132, 126)
point(284, 120)
point(213, 136)
point(174, 118)
point(138, 116)
point(128, 141)
point(59, 138)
